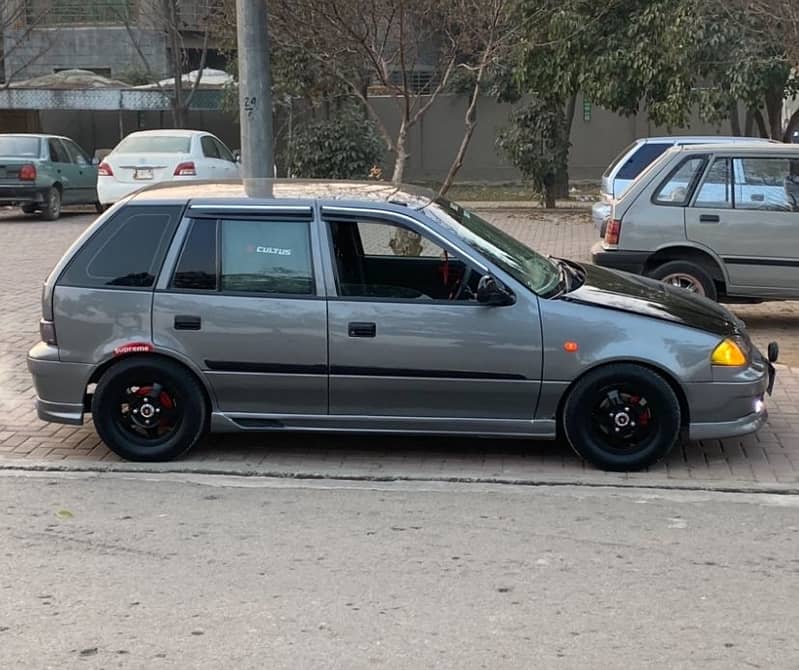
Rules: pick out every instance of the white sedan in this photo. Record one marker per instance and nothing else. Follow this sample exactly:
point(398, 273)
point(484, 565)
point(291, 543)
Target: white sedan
point(153, 156)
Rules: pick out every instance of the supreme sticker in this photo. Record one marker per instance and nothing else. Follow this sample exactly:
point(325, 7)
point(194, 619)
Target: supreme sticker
point(133, 348)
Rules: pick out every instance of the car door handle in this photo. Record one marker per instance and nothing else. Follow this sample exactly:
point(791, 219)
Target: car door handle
point(709, 218)
point(362, 329)
point(186, 322)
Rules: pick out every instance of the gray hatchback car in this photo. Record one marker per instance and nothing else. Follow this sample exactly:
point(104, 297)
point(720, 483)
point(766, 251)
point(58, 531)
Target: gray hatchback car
point(719, 220)
point(361, 307)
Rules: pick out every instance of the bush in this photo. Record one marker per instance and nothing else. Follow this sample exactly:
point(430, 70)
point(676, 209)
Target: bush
point(346, 146)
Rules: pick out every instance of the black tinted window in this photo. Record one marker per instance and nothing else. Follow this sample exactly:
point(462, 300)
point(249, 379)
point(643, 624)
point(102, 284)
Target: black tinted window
point(641, 159)
point(209, 147)
point(197, 266)
point(126, 252)
point(266, 257)
point(57, 152)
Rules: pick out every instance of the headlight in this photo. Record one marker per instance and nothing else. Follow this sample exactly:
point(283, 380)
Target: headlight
point(732, 351)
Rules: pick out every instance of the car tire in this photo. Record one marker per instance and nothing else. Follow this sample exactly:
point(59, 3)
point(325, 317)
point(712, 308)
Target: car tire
point(687, 275)
point(51, 209)
point(622, 417)
point(149, 409)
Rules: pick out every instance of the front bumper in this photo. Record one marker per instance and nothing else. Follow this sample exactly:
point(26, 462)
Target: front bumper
point(60, 386)
point(22, 195)
point(619, 259)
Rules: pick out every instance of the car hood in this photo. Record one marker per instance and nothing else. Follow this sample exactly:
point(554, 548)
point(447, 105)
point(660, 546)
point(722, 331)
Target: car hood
point(640, 295)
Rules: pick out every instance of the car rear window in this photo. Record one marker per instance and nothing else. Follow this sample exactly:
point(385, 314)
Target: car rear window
point(643, 157)
point(23, 147)
point(619, 158)
point(161, 144)
point(126, 252)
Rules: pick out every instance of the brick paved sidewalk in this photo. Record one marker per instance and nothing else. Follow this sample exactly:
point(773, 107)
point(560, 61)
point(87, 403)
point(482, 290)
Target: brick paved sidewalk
point(31, 248)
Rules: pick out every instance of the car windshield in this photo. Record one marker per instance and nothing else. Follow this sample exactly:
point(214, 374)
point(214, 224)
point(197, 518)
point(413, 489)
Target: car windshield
point(27, 147)
point(160, 144)
point(525, 265)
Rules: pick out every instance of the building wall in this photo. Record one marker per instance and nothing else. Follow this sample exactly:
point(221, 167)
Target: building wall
point(103, 48)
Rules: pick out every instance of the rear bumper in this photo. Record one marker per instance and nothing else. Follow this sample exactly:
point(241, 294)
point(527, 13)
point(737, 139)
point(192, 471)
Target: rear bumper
point(60, 386)
point(619, 259)
point(22, 195)
point(109, 190)
point(600, 213)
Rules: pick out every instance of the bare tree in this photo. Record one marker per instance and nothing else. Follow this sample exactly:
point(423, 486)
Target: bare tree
point(486, 32)
point(18, 21)
point(175, 20)
point(406, 49)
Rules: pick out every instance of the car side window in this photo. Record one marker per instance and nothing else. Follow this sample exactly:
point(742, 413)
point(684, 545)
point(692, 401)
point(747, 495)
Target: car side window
point(769, 184)
point(716, 189)
point(224, 153)
point(643, 157)
point(127, 251)
point(271, 256)
point(197, 269)
point(677, 187)
point(58, 153)
point(209, 147)
point(382, 260)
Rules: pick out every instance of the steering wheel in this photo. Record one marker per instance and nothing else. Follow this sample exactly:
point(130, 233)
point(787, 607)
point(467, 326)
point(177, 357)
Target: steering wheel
point(461, 285)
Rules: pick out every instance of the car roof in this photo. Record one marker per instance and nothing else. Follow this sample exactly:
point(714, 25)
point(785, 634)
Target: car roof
point(289, 189)
point(172, 132)
point(703, 139)
point(778, 148)
point(39, 136)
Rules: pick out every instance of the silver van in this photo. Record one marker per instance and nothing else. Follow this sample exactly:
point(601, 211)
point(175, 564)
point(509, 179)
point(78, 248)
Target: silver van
point(719, 220)
point(361, 307)
point(634, 159)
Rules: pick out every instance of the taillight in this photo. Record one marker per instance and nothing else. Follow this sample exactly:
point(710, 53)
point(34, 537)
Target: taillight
point(27, 172)
point(47, 332)
point(104, 170)
point(613, 231)
point(186, 169)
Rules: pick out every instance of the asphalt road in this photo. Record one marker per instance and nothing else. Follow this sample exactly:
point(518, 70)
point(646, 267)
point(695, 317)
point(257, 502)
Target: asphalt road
point(108, 571)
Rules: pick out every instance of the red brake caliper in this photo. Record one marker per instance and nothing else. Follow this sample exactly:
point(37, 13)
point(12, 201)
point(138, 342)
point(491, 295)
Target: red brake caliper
point(163, 398)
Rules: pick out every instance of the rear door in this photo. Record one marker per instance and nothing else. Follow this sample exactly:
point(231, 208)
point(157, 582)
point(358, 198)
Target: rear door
point(230, 167)
point(66, 172)
point(86, 173)
point(246, 305)
point(747, 212)
point(212, 160)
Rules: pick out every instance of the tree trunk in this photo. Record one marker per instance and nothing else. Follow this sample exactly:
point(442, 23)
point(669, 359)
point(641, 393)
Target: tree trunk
point(550, 194)
point(401, 154)
point(735, 120)
point(178, 108)
point(761, 123)
point(749, 123)
point(561, 185)
point(470, 123)
point(774, 100)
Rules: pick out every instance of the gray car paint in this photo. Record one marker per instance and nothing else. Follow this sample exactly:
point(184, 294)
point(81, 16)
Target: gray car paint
point(519, 347)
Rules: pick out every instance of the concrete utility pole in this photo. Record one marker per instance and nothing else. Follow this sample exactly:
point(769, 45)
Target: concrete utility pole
point(255, 97)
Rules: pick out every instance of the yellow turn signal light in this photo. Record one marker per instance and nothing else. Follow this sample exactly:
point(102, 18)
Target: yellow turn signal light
point(728, 352)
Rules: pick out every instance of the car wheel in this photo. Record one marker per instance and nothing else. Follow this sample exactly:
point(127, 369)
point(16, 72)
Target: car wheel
point(688, 276)
point(147, 409)
point(622, 417)
point(51, 209)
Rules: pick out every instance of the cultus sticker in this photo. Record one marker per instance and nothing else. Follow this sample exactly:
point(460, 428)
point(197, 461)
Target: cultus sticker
point(274, 251)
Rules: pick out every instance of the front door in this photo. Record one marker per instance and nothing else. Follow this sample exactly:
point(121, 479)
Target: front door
point(243, 304)
point(409, 340)
point(747, 212)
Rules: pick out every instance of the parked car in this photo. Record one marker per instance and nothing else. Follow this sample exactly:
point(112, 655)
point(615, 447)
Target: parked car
point(718, 220)
point(40, 173)
point(153, 156)
point(190, 308)
point(634, 159)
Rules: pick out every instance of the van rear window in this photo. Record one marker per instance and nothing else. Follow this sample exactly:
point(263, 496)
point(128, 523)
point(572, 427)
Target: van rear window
point(641, 159)
point(126, 252)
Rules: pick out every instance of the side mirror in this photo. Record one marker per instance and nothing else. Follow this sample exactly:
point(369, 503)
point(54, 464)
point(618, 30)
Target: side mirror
point(491, 292)
point(237, 156)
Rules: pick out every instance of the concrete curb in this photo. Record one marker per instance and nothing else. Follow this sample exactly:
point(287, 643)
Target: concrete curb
point(588, 480)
